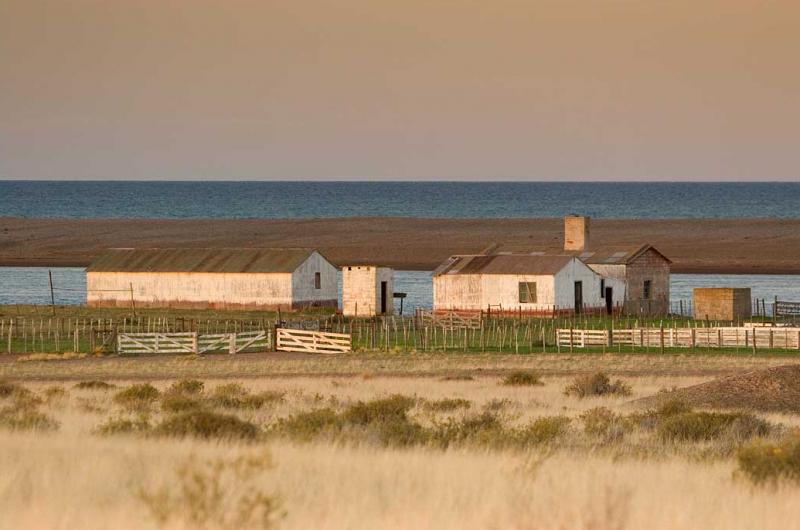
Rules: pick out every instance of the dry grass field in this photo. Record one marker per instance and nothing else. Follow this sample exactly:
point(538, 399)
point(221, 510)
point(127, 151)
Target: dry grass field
point(386, 442)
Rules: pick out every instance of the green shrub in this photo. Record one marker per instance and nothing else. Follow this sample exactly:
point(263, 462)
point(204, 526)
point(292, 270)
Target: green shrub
point(543, 430)
point(446, 405)
point(307, 426)
point(699, 426)
point(26, 419)
point(523, 378)
point(605, 424)
point(597, 384)
point(207, 425)
point(190, 387)
point(763, 462)
point(94, 385)
point(113, 426)
point(236, 396)
point(137, 397)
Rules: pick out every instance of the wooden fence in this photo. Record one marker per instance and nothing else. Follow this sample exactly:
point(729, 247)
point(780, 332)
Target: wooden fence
point(298, 340)
point(192, 342)
point(716, 337)
point(451, 319)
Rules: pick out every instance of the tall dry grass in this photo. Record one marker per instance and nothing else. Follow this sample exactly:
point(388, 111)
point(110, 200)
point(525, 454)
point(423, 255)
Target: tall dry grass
point(74, 478)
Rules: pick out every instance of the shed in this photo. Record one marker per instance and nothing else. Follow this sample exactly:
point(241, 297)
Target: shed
point(202, 278)
point(722, 303)
point(531, 283)
point(367, 290)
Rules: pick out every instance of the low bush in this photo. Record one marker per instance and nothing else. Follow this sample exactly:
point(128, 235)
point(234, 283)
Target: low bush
point(26, 419)
point(770, 462)
point(307, 426)
point(458, 377)
point(236, 396)
point(8, 389)
point(482, 429)
point(94, 385)
point(543, 430)
point(393, 408)
point(699, 426)
point(113, 426)
point(605, 424)
point(175, 402)
point(137, 397)
point(523, 378)
point(597, 384)
point(192, 387)
point(446, 405)
point(496, 405)
point(207, 425)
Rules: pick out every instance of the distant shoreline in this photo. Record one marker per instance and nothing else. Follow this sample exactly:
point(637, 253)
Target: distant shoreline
point(723, 246)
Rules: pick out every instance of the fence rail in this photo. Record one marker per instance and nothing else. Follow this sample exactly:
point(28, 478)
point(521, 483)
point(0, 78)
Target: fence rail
point(717, 337)
point(296, 340)
point(192, 342)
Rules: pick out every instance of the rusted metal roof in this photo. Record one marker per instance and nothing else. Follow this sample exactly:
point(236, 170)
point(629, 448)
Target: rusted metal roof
point(614, 255)
point(534, 265)
point(264, 260)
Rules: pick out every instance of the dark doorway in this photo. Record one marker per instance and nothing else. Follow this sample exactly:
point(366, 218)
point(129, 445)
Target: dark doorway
point(578, 297)
point(609, 300)
point(383, 298)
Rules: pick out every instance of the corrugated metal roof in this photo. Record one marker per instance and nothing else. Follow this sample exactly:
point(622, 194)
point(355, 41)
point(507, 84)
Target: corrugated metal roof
point(614, 255)
point(504, 264)
point(200, 260)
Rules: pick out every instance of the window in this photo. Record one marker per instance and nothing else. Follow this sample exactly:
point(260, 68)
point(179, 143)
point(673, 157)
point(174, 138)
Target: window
point(602, 288)
point(646, 290)
point(317, 280)
point(527, 292)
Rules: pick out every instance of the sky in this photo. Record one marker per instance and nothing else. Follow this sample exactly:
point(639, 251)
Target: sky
point(395, 90)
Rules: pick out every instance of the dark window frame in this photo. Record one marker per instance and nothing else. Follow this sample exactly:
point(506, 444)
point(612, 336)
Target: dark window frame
point(647, 289)
point(317, 280)
point(602, 288)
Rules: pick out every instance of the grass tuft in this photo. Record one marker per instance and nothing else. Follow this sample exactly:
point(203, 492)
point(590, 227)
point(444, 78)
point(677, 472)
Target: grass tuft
point(771, 462)
point(523, 378)
point(207, 425)
point(94, 385)
point(137, 397)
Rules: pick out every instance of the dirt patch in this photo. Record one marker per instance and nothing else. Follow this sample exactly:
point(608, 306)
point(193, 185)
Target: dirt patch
point(768, 390)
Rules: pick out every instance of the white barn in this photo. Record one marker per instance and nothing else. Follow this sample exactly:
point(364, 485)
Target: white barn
point(198, 278)
point(531, 283)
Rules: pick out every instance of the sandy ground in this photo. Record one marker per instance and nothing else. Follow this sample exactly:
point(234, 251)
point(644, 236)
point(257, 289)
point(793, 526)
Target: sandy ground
point(766, 246)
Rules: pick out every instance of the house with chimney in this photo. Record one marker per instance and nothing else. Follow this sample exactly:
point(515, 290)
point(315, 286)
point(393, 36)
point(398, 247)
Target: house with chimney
point(580, 277)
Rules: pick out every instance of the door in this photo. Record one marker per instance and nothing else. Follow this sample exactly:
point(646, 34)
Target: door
point(609, 300)
point(578, 297)
point(383, 298)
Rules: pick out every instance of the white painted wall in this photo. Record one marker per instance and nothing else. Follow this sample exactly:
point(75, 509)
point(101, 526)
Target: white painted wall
point(614, 276)
point(303, 287)
point(565, 280)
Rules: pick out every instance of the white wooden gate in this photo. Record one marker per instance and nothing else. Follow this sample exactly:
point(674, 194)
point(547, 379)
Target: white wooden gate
point(192, 342)
point(313, 341)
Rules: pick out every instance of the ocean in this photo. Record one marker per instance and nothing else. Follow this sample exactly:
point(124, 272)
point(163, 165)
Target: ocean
point(187, 200)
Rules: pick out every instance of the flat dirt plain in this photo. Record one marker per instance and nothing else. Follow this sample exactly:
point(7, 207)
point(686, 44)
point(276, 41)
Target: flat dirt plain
point(759, 246)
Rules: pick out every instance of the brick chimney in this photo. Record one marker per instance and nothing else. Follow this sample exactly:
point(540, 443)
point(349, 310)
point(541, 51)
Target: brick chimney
point(576, 233)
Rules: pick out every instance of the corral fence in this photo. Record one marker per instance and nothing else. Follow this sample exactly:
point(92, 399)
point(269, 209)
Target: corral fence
point(193, 342)
point(748, 337)
point(297, 340)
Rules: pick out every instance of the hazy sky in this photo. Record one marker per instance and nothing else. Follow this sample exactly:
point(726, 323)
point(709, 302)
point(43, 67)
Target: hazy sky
point(413, 89)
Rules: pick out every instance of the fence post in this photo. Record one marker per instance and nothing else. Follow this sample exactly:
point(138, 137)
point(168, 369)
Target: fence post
point(232, 344)
point(195, 349)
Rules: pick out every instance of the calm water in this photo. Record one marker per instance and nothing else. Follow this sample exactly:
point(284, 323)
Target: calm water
point(409, 199)
point(29, 285)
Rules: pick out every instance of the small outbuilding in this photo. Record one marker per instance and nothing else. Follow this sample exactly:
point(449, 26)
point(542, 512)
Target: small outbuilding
point(529, 283)
point(367, 290)
point(722, 303)
point(202, 278)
